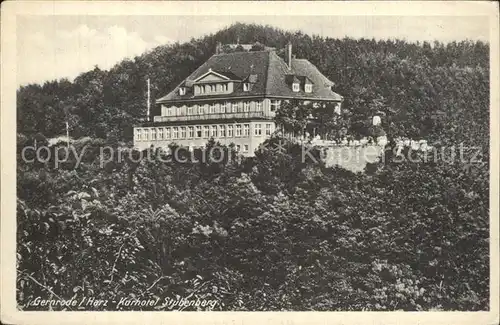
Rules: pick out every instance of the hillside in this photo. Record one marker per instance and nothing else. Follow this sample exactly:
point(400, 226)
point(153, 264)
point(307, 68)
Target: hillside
point(276, 231)
point(418, 87)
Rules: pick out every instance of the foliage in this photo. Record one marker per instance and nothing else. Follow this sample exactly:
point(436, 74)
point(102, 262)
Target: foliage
point(272, 232)
point(416, 87)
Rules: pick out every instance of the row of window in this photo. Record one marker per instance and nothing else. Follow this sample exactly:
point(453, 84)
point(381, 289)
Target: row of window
point(211, 88)
point(200, 131)
point(217, 108)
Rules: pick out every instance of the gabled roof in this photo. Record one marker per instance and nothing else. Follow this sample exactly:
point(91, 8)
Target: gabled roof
point(209, 72)
point(224, 75)
point(265, 70)
point(230, 75)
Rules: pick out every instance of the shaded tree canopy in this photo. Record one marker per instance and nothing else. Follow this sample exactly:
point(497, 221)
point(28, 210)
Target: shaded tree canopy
point(275, 231)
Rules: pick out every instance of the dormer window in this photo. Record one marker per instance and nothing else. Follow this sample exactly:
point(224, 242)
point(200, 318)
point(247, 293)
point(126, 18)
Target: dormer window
point(295, 87)
point(182, 91)
point(308, 88)
point(246, 86)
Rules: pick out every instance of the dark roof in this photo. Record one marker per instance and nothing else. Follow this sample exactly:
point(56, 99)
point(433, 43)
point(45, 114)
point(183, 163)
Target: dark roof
point(304, 80)
point(252, 78)
point(267, 72)
point(291, 79)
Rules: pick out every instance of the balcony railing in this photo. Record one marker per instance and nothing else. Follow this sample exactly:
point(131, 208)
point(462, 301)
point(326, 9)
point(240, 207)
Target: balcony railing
point(214, 116)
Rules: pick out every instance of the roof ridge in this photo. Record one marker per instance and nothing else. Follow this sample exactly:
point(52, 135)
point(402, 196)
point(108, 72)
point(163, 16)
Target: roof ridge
point(242, 52)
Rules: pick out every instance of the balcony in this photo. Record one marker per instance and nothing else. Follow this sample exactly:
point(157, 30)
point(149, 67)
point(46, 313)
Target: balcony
point(214, 116)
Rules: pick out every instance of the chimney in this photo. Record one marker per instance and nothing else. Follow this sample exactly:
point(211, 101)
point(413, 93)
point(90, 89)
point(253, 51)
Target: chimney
point(218, 48)
point(289, 55)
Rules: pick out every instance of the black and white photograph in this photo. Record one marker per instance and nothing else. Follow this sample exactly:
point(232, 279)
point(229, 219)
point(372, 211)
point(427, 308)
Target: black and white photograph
point(270, 160)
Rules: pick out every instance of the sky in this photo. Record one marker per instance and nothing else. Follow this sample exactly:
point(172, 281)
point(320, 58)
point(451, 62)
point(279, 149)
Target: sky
point(62, 46)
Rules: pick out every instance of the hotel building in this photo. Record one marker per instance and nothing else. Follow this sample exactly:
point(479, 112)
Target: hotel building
point(233, 98)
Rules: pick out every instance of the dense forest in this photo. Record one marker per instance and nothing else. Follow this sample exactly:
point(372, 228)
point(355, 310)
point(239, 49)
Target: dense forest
point(272, 232)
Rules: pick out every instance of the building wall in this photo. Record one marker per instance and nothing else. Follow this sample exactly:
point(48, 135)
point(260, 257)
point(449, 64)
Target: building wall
point(247, 143)
point(353, 158)
point(182, 116)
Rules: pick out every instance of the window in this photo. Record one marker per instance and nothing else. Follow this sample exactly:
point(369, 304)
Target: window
point(138, 134)
point(225, 87)
point(268, 129)
point(229, 131)
point(275, 105)
point(223, 107)
point(240, 106)
point(208, 88)
point(238, 147)
point(246, 106)
point(222, 131)
point(182, 91)
point(308, 88)
point(258, 129)
point(205, 109)
point(246, 129)
point(212, 108)
point(190, 110)
point(202, 89)
point(146, 134)
point(245, 147)
point(163, 110)
point(198, 131)
point(213, 130)
point(238, 130)
point(235, 107)
point(175, 132)
point(295, 87)
point(170, 111)
point(191, 132)
point(206, 132)
point(258, 106)
point(160, 134)
point(246, 86)
point(183, 132)
point(167, 133)
point(183, 110)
